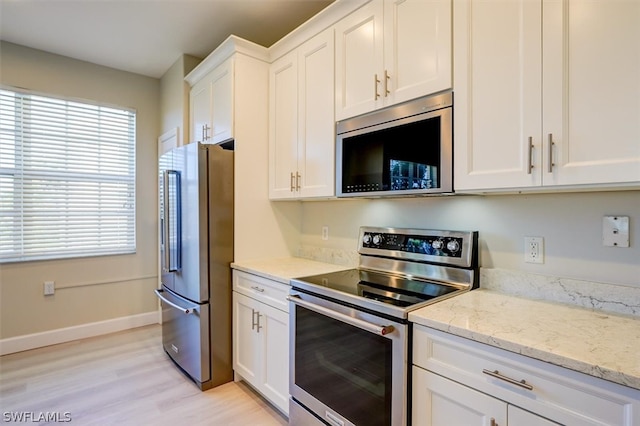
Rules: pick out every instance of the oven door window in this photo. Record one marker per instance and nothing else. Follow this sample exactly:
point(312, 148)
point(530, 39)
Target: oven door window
point(344, 367)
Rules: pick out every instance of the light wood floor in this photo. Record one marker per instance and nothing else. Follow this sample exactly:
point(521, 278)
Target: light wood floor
point(122, 379)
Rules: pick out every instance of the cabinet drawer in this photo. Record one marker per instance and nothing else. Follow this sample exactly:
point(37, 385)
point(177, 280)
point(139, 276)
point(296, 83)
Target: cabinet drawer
point(267, 291)
point(560, 394)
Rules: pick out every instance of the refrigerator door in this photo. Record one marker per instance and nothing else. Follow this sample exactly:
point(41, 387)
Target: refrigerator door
point(170, 219)
point(185, 334)
point(191, 281)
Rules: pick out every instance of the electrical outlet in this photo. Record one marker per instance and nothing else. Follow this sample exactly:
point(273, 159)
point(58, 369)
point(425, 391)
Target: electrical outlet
point(615, 231)
point(49, 288)
point(325, 233)
point(534, 249)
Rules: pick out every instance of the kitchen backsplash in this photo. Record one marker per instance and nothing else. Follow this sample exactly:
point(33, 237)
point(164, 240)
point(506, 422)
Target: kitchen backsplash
point(587, 294)
point(329, 255)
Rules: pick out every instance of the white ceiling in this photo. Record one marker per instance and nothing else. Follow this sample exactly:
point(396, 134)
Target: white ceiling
point(147, 36)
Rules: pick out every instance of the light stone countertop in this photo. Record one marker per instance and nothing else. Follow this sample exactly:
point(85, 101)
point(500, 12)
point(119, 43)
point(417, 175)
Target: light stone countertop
point(597, 343)
point(283, 269)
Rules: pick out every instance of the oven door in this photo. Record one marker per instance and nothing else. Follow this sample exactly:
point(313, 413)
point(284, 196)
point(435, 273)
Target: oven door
point(347, 367)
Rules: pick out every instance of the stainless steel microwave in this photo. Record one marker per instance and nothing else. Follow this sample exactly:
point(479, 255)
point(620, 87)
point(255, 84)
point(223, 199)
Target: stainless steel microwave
point(402, 150)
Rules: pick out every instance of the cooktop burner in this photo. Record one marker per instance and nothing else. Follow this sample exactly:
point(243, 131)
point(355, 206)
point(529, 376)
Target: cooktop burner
point(401, 270)
point(385, 288)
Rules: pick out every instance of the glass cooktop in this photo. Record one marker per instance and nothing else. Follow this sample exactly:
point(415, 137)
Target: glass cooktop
point(389, 289)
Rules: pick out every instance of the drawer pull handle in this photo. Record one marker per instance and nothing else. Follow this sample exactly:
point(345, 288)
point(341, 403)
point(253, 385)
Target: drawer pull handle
point(256, 288)
point(495, 373)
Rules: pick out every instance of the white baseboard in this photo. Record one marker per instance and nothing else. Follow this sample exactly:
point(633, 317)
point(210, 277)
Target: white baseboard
point(61, 335)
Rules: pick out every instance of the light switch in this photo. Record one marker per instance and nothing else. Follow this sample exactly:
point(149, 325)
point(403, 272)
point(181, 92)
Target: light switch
point(615, 231)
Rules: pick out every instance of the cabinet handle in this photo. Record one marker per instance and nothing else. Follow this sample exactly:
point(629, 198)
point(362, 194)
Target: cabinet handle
point(495, 373)
point(386, 83)
point(530, 162)
point(205, 132)
point(375, 86)
point(258, 326)
point(298, 177)
point(253, 319)
point(256, 288)
point(551, 143)
point(293, 185)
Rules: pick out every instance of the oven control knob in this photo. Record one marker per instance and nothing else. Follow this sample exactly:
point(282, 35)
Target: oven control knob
point(453, 246)
point(366, 239)
point(437, 244)
point(377, 239)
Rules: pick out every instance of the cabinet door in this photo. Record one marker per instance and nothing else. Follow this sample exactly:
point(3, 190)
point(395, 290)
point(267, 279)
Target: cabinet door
point(246, 342)
point(592, 91)
point(417, 48)
point(316, 123)
point(359, 61)
point(222, 102)
point(497, 86)
point(519, 417)
point(283, 126)
point(274, 329)
point(442, 402)
point(200, 111)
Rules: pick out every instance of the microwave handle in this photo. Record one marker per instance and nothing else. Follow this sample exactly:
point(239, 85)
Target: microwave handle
point(372, 328)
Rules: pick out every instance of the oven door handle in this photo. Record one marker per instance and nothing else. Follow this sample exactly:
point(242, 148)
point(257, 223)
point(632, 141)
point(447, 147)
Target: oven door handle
point(373, 328)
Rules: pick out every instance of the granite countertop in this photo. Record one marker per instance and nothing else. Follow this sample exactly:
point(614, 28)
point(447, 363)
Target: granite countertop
point(597, 343)
point(283, 269)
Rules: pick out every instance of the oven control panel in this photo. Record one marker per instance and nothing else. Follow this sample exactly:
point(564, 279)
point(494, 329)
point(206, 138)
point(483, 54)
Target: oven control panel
point(432, 245)
point(423, 245)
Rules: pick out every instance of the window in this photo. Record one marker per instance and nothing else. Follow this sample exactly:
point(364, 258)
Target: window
point(67, 178)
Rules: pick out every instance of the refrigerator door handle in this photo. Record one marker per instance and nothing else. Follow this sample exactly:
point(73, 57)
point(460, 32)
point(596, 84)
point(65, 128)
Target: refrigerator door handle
point(187, 311)
point(168, 176)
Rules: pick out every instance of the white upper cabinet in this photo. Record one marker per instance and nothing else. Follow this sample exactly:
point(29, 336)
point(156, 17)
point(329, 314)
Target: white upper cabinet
point(497, 93)
point(302, 127)
point(222, 102)
point(211, 105)
point(390, 51)
point(547, 94)
point(200, 110)
point(591, 92)
point(417, 48)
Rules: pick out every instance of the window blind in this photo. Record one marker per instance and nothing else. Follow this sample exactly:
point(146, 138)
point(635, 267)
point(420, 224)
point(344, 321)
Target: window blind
point(67, 178)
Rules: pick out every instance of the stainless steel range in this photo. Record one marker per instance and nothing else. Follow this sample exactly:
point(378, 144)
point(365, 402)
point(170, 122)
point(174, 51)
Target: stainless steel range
point(349, 356)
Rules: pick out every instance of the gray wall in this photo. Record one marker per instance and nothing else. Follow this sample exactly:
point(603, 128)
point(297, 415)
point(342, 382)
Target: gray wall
point(96, 288)
point(571, 224)
point(174, 97)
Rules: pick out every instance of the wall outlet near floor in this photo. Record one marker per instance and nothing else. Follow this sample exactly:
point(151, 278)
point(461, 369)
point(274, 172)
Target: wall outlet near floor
point(534, 249)
point(49, 288)
point(325, 233)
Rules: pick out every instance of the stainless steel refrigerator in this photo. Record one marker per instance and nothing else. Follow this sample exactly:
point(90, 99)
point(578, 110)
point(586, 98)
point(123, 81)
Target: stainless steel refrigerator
point(196, 250)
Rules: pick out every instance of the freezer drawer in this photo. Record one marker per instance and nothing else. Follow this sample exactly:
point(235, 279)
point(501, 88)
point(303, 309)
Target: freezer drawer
point(185, 334)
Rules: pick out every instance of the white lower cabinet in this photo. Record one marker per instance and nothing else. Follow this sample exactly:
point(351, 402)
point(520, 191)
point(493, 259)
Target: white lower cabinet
point(457, 381)
point(261, 336)
point(438, 401)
